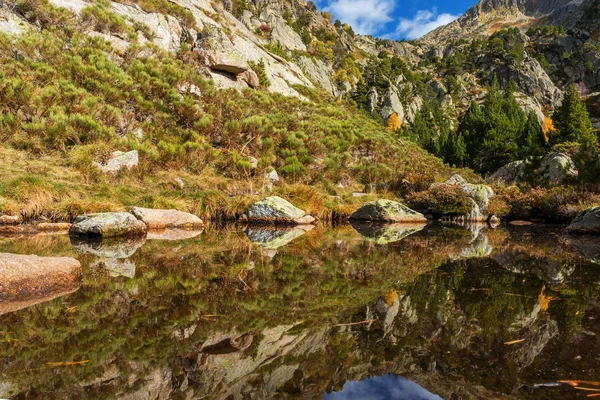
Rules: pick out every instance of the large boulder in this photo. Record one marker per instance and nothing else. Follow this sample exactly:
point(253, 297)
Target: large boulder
point(275, 210)
point(27, 280)
point(392, 104)
point(480, 196)
point(586, 222)
point(162, 219)
point(217, 51)
point(118, 161)
point(510, 174)
point(107, 225)
point(387, 211)
point(557, 168)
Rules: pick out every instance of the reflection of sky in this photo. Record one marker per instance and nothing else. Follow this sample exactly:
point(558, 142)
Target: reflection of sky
point(386, 387)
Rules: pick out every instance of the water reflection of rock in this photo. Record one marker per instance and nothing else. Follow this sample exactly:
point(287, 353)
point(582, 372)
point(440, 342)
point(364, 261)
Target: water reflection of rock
point(479, 245)
point(111, 255)
point(173, 234)
point(386, 233)
point(545, 268)
point(445, 327)
point(116, 266)
point(587, 246)
point(120, 248)
point(271, 237)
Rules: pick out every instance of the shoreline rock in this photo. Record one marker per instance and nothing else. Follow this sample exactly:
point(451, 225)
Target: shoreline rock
point(387, 211)
point(276, 211)
point(10, 219)
point(587, 222)
point(108, 225)
point(479, 195)
point(26, 280)
point(163, 219)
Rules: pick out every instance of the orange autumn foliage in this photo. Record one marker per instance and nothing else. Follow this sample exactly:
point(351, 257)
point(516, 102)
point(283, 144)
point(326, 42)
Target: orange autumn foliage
point(390, 297)
point(548, 128)
point(394, 122)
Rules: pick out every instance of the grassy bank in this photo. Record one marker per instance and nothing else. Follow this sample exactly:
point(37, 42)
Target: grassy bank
point(68, 100)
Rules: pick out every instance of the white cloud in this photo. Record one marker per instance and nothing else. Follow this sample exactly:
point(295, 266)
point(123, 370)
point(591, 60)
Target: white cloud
point(423, 22)
point(366, 17)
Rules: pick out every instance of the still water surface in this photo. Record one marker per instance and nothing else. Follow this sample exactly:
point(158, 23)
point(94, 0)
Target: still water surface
point(355, 312)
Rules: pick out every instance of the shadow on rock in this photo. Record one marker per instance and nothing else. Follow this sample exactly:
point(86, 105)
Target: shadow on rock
point(387, 233)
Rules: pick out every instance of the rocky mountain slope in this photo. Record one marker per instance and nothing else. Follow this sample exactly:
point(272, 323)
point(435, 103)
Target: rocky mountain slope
point(302, 95)
point(489, 16)
point(297, 45)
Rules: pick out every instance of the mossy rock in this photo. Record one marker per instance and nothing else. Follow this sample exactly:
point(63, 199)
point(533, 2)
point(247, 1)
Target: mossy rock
point(108, 225)
point(275, 210)
point(387, 211)
point(587, 222)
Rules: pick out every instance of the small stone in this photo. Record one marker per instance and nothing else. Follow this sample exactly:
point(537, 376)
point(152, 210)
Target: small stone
point(521, 223)
point(180, 183)
point(10, 219)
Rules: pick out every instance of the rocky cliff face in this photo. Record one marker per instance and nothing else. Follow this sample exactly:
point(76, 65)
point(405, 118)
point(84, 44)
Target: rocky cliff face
point(284, 43)
point(489, 16)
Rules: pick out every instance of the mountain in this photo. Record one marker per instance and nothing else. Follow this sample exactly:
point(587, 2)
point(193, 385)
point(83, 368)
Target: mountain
point(216, 96)
point(489, 16)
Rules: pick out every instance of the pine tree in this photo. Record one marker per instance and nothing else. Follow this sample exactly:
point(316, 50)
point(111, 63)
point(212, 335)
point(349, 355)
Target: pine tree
point(572, 120)
point(531, 139)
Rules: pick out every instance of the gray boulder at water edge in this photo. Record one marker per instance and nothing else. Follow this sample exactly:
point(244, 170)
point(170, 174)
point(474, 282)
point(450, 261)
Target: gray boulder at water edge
point(587, 222)
point(107, 225)
point(387, 211)
point(275, 210)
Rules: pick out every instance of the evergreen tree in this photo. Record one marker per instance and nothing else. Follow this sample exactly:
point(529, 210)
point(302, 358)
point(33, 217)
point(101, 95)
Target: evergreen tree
point(531, 141)
point(572, 120)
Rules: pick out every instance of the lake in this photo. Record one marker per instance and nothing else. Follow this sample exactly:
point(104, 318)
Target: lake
point(352, 312)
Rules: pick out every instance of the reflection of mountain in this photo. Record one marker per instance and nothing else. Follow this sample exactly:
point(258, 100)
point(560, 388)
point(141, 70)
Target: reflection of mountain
point(387, 233)
point(214, 318)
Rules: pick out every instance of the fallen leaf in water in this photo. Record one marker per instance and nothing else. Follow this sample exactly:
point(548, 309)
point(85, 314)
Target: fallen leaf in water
point(577, 383)
point(587, 389)
point(514, 342)
point(66, 364)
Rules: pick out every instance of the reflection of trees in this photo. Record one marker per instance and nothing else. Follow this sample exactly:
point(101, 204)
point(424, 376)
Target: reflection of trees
point(448, 317)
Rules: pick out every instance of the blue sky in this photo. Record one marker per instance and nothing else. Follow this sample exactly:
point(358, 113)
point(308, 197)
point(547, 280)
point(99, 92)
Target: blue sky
point(395, 19)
